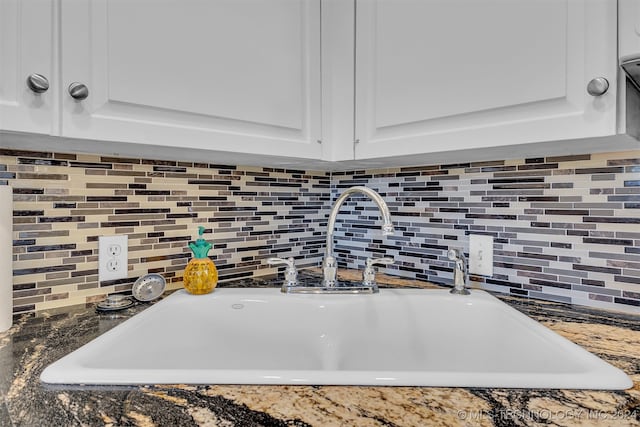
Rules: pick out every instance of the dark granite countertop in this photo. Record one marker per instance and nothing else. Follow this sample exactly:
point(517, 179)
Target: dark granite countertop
point(35, 341)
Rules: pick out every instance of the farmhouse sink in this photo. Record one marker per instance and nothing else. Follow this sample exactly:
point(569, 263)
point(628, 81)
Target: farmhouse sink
point(399, 337)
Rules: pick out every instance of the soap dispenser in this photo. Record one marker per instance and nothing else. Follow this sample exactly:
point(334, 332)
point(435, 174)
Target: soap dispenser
point(201, 275)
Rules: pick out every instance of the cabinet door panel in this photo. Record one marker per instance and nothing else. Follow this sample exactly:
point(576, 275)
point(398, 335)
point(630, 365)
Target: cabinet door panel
point(26, 43)
point(225, 74)
point(629, 29)
point(442, 75)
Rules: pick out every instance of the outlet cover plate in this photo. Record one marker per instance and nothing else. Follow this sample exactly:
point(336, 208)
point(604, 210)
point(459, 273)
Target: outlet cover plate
point(481, 254)
point(113, 250)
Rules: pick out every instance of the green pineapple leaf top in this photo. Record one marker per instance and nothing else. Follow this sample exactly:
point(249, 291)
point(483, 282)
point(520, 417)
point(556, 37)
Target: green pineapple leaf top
point(201, 247)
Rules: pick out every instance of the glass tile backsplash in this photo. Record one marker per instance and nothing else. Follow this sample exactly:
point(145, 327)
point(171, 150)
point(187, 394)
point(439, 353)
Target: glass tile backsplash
point(566, 229)
point(63, 202)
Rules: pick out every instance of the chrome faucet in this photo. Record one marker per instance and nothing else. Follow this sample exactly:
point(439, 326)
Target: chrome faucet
point(460, 274)
point(329, 266)
point(290, 274)
point(369, 273)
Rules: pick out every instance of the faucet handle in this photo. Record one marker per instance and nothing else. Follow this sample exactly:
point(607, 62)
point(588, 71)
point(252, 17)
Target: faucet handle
point(290, 274)
point(281, 261)
point(379, 261)
point(369, 274)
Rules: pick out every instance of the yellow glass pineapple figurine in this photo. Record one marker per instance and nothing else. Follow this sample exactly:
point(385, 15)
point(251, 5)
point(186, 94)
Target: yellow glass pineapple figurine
point(201, 275)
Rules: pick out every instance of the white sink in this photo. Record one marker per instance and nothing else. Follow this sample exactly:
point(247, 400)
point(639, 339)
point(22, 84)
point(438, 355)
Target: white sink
point(411, 337)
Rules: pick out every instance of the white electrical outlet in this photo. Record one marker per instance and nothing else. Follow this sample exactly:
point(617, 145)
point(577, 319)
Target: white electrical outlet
point(113, 264)
point(481, 254)
point(112, 257)
point(114, 249)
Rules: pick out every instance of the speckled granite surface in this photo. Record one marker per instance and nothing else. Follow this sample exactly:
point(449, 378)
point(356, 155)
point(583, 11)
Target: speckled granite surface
point(35, 342)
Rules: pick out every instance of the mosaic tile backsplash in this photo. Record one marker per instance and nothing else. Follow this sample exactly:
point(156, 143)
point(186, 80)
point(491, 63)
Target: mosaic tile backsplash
point(566, 228)
point(63, 202)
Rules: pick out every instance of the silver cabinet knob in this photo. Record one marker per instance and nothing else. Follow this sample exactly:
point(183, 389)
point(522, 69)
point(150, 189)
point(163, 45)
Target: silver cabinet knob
point(598, 86)
point(37, 83)
point(78, 91)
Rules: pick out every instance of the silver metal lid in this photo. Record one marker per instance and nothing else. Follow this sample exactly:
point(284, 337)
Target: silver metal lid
point(148, 287)
point(115, 302)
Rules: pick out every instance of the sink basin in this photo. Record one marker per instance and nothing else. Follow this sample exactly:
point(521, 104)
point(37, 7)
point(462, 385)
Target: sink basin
point(409, 337)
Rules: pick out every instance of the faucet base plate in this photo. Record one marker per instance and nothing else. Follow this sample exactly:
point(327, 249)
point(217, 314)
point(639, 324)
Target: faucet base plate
point(338, 289)
point(463, 291)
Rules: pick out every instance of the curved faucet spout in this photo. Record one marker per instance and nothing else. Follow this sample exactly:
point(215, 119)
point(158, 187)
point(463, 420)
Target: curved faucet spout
point(329, 265)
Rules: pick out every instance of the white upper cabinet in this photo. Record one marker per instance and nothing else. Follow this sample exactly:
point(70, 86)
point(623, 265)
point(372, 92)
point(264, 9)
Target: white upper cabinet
point(227, 75)
point(419, 80)
point(26, 42)
point(442, 75)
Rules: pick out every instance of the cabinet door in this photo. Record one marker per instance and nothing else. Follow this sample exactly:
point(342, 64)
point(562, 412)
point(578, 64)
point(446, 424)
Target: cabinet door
point(629, 29)
point(26, 42)
point(440, 75)
point(231, 75)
